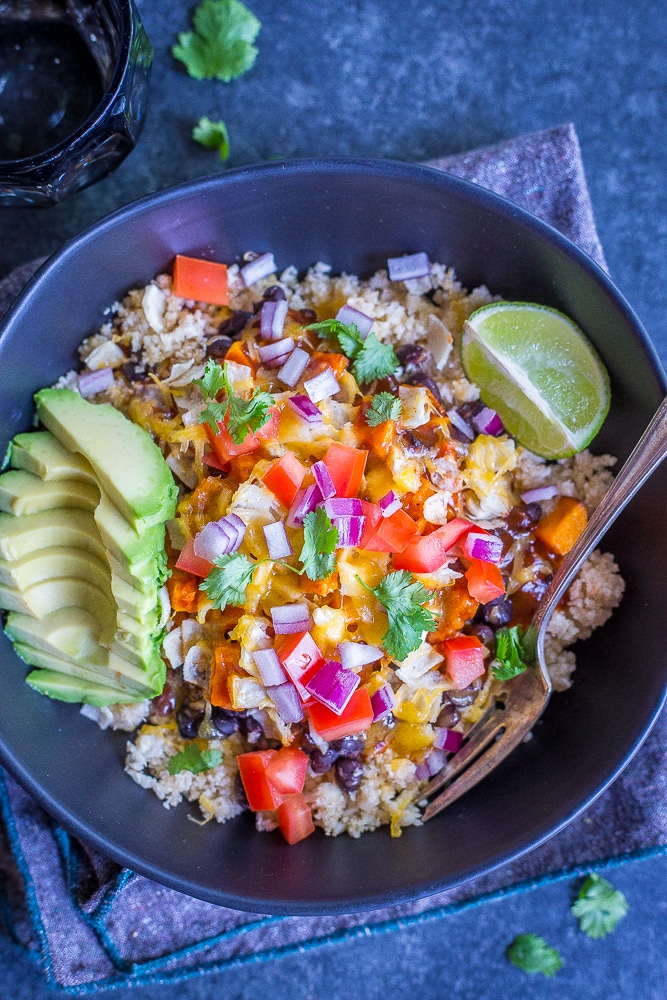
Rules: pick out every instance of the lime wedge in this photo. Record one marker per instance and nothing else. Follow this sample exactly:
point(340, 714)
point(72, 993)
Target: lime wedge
point(540, 372)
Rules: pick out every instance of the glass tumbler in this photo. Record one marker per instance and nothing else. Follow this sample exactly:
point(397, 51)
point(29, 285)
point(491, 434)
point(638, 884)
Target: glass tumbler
point(73, 94)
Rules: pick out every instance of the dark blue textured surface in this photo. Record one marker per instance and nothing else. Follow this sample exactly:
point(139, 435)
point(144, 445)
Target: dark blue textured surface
point(415, 80)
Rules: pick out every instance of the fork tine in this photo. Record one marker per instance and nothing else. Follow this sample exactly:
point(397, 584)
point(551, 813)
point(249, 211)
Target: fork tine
point(484, 732)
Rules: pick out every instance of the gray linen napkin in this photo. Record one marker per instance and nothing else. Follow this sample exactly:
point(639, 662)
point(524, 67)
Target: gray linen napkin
point(94, 925)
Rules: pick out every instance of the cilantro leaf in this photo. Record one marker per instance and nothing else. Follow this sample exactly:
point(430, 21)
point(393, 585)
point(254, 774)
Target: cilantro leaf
point(509, 661)
point(371, 358)
point(228, 580)
point(212, 135)
point(374, 360)
point(403, 598)
point(599, 907)
point(320, 538)
point(193, 759)
point(242, 416)
point(221, 45)
point(384, 406)
point(531, 953)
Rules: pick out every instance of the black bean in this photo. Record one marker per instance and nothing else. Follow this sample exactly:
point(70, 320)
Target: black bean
point(239, 791)
point(165, 703)
point(465, 696)
point(449, 714)
point(218, 347)
point(224, 721)
point(498, 613)
point(252, 729)
point(420, 378)
point(471, 409)
point(349, 746)
point(411, 355)
point(302, 737)
point(131, 371)
point(273, 293)
point(303, 316)
point(188, 719)
point(321, 762)
point(266, 743)
point(523, 517)
point(349, 772)
point(236, 323)
point(484, 633)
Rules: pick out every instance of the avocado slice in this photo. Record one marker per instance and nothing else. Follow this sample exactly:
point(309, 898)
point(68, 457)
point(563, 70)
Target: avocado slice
point(23, 493)
point(44, 564)
point(73, 689)
point(127, 462)
point(43, 455)
point(87, 672)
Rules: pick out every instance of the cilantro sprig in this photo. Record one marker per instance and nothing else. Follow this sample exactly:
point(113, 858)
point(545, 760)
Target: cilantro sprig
point(193, 759)
point(320, 538)
point(531, 953)
point(509, 660)
point(228, 580)
point(371, 358)
point(403, 598)
point(599, 907)
point(221, 46)
point(242, 416)
point(212, 135)
point(384, 406)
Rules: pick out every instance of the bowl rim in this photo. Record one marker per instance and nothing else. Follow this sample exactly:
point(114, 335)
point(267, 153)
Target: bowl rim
point(335, 165)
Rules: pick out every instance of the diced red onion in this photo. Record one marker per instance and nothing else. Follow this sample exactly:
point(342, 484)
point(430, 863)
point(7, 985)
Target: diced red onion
point(260, 267)
point(287, 702)
point(294, 367)
point(305, 501)
point(414, 265)
point(277, 541)
point(343, 507)
point(389, 504)
point(323, 480)
point(350, 529)
point(275, 354)
point(322, 386)
point(90, 383)
point(435, 761)
point(460, 424)
point(269, 666)
point(448, 739)
point(357, 654)
point(382, 702)
point(234, 521)
point(348, 314)
point(333, 685)
point(290, 618)
point(487, 421)
point(539, 494)
point(214, 540)
point(484, 546)
point(272, 319)
point(422, 772)
point(305, 409)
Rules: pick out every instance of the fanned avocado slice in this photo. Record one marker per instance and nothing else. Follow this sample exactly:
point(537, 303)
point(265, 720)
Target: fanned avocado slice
point(76, 690)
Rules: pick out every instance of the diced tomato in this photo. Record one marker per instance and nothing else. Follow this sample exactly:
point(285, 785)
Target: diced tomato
point(284, 478)
point(346, 467)
point(464, 659)
point(211, 459)
point(225, 661)
point(485, 581)
point(429, 553)
point(287, 770)
point(223, 444)
point(201, 280)
point(191, 563)
point(392, 533)
point(295, 818)
point(373, 515)
point(259, 791)
point(300, 657)
point(357, 716)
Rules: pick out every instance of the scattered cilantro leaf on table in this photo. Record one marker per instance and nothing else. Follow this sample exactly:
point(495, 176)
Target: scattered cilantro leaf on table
point(403, 598)
point(531, 953)
point(371, 359)
point(212, 135)
point(320, 538)
point(221, 46)
point(242, 416)
point(509, 661)
point(228, 580)
point(599, 907)
point(384, 406)
point(193, 759)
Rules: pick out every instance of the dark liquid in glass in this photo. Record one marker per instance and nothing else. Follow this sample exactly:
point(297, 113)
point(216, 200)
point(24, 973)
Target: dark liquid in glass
point(49, 85)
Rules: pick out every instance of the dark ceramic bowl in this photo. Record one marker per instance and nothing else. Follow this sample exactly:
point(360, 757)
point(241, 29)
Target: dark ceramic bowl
point(353, 214)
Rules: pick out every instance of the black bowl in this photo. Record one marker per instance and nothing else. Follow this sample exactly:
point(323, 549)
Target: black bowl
point(352, 214)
